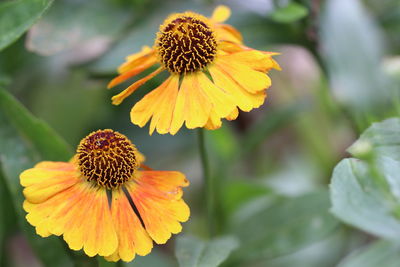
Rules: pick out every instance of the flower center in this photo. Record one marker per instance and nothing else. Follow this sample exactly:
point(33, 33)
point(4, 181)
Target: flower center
point(186, 43)
point(107, 157)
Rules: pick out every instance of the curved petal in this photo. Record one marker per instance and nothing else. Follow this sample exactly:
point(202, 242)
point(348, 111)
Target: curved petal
point(245, 100)
point(255, 59)
point(222, 101)
point(81, 214)
point(132, 72)
point(228, 33)
point(117, 99)
point(251, 80)
point(221, 13)
point(134, 60)
point(157, 196)
point(144, 109)
point(47, 179)
point(192, 105)
point(132, 237)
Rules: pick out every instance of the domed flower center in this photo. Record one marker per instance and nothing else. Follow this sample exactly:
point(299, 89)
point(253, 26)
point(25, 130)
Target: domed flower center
point(107, 157)
point(186, 43)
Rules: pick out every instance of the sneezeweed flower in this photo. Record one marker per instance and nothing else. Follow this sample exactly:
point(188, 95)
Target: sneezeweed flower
point(212, 74)
point(102, 201)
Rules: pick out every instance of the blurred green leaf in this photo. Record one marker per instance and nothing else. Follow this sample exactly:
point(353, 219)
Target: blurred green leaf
point(236, 193)
point(143, 34)
point(289, 13)
point(381, 137)
point(17, 16)
point(273, 227)
point(361, 198)
point(16, 155)
point(45, 140)
point(88, 26)
point(353, 50)
point(154, 259)
point(379, 253)
point(192, 252)
point(272, 122)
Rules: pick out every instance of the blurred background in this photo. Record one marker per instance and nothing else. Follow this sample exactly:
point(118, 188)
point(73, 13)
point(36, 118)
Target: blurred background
point(340, 64)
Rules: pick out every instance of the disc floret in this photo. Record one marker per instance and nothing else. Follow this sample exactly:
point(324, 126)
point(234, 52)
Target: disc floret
point(107, 158)
point(186, 43)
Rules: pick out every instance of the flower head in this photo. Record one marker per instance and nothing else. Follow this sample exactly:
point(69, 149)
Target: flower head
point(102, 201)
point(212, 74)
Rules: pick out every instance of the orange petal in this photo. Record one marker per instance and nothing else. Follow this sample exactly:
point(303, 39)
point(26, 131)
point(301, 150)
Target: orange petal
point(221, 13)
point(81, 213)
point(134, 60)
point(251, 80)
point(156, 194)
point(245, 100)
point(117, 99)
point(47, 179)
point(132, 72)
point(228, 33)
point(132, 237)
point(192, 105)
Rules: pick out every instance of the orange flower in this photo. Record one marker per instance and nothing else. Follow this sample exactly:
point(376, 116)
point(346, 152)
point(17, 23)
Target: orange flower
point(212, 74)
point(102, 202)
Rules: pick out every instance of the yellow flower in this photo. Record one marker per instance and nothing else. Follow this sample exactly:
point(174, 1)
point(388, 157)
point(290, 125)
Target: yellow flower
point(212, 74)
point(102, 202)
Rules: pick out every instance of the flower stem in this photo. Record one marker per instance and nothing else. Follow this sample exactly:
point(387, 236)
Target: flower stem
point(208, 184)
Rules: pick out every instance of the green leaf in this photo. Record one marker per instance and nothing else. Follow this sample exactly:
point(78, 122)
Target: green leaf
point(78, 25)
point(380, 253)
point(382, 138)
point(16, 155)
point(143, 34)
point(18, 16)
point(271, 123)
point(368, 200)
point(353, 52)
point(268, 228)
point(192, 252)
point(290, 13)
point(44, 139)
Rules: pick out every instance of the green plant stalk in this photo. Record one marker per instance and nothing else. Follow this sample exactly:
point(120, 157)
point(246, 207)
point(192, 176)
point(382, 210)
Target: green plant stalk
point(208, 184)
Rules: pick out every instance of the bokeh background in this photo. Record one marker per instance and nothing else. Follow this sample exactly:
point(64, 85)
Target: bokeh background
point(340, 64)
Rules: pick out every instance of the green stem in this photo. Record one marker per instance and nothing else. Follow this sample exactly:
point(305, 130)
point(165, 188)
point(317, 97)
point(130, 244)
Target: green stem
point(208, 184)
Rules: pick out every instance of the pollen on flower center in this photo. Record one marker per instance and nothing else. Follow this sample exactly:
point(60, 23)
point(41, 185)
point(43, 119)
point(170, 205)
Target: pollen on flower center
point(186, 43)
point(107, 158)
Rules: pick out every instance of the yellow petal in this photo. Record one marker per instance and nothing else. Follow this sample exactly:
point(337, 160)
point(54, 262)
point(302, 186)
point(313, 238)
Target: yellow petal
point(227, 33)
point(47, 179)
point(221, 13)
point(158, 205)
point(222, 102)
point(145, 108)
point(234, 114)
point(192, 105)
point(162, 116)
point(214, 122)
point(245, 100)
point(251, 80)
point(254, 59)
point(117, 99)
